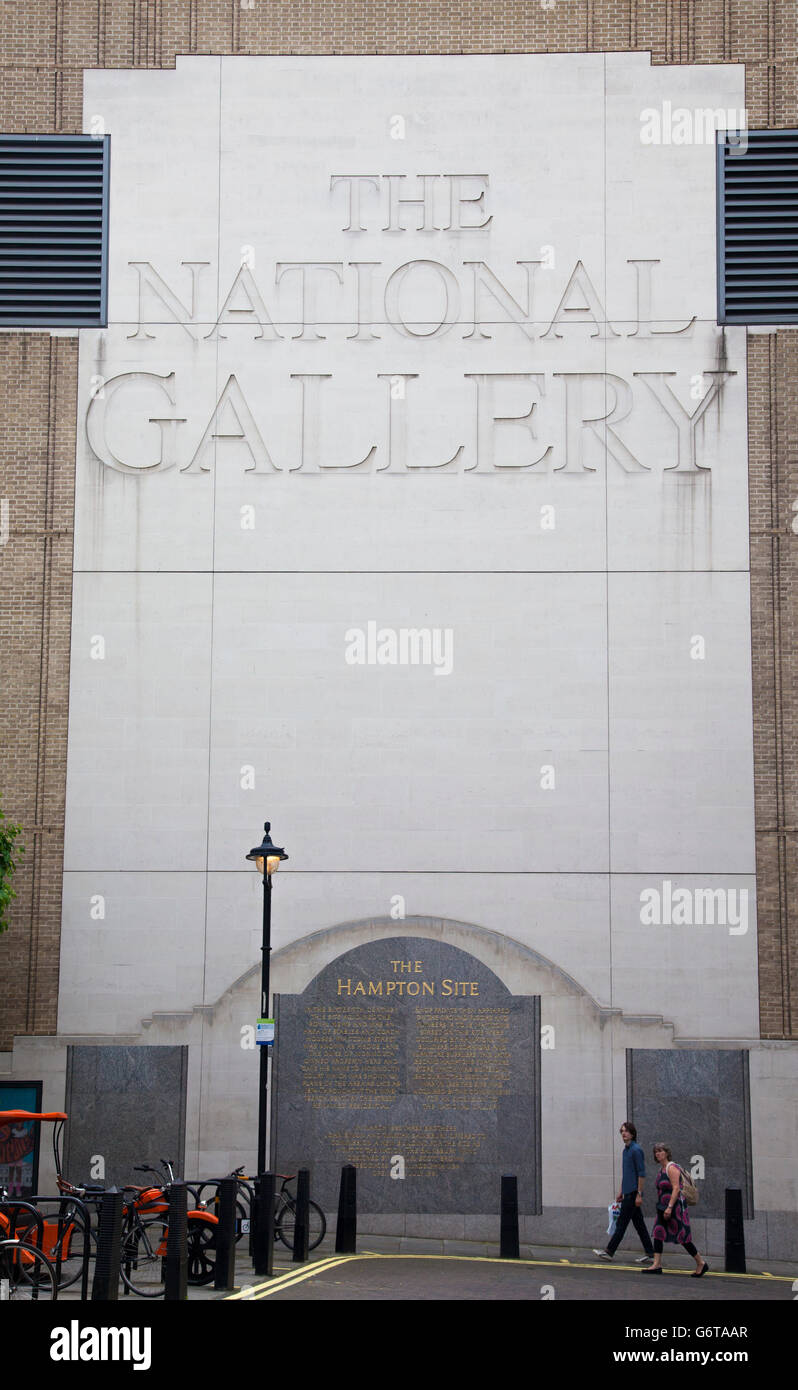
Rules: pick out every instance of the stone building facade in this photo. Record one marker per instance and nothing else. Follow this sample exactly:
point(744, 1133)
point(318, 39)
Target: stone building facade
point(550, 909)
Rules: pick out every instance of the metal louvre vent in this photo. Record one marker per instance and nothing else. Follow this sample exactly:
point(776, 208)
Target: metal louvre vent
point(758, 227)
point(53, 230)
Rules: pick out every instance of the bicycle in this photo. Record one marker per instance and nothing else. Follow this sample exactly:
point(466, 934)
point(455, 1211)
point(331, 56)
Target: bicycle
point(284, 1211)
point(244, 1199)
point(61, 1240)
point(285, 1217)
point(145, 1232)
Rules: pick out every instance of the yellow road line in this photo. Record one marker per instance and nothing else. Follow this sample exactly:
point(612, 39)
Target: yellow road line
point(570, 1264)
point(291, 1277)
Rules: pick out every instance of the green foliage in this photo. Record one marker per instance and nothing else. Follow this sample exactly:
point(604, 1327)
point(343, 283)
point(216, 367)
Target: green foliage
point(9, 852)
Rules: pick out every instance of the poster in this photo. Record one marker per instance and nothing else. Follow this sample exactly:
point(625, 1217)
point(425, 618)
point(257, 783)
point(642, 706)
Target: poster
point(19, 1142)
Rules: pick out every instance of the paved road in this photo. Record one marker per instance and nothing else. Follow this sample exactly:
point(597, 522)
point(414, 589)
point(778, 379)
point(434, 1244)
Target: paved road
point(421, 1277)
point(431, 1277)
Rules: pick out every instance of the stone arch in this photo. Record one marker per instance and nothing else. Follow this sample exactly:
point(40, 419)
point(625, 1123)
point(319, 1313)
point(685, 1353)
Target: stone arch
point(521, 969)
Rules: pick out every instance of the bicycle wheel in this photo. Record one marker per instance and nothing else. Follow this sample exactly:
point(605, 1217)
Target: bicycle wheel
point(201, 1239)
point(26, 1275)
point(73, 1244)
point(143, 1263)
point(286, 1221)
point(242, 1211)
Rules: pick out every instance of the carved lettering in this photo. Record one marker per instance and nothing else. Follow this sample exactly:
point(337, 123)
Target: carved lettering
point(488, 420)
point(577, 422)
point(591, 309)
point(484, 279)
point(96, 422)
point(686, 449)
point(151, 280)
point(398, 459)
point(232, 419)
point(310, 446)
point(244, 303)
point(447, 283)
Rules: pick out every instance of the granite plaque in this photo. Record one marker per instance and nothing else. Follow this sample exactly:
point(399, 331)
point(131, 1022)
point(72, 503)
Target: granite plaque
point(410, 1059)
point(696, 1100)
point(126, 1105)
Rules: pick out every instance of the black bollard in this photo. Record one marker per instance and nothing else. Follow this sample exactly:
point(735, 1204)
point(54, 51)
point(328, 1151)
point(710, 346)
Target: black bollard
point(346, 1229)
point(263, 1224)
point(176, 1271)
point(509, 1248)
point(735, 1232)
point(302, 1216)
point(109, 1247)
point(225, 1270)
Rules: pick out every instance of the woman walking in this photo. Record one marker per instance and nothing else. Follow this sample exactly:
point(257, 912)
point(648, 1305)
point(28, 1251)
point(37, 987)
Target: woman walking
point(672, 1224)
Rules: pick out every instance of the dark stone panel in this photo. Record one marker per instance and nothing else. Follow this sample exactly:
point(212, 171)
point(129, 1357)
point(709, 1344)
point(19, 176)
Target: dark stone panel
point(409, 1055)
point(127, 1105)
point(696, 1101)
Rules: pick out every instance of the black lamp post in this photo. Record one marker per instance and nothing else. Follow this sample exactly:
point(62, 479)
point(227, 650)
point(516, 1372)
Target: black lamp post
point(267, 859)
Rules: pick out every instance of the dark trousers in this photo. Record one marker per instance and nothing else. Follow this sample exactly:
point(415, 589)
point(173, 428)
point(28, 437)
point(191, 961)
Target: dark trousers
point(688, 1246)
point(630, 1212)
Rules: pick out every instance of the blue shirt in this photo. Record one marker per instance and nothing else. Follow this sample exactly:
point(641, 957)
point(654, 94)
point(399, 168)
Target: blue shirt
point(634, 1167)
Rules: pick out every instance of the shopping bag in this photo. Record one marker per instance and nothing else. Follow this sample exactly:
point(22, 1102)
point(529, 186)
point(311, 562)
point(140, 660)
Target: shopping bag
point(613, 1212)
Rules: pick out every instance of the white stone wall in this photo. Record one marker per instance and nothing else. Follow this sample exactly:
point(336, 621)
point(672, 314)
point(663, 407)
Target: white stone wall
point(224, 555)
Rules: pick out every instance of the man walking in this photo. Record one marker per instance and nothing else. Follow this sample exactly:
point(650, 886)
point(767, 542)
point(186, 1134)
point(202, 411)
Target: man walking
point(631, 1198)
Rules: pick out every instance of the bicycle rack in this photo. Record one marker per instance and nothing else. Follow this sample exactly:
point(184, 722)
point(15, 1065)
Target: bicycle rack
point(11, 1207)
point(196, 1187)
point(19, 1205)
point(81, 1210)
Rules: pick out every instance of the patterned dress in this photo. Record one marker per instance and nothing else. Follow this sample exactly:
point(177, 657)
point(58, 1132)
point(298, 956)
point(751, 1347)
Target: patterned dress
point(676, 1231)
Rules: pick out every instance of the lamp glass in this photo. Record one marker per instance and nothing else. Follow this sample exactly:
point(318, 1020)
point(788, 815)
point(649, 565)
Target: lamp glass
point(272, 863)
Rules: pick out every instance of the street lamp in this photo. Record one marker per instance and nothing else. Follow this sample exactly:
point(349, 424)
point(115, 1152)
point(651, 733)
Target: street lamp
point(267, 859)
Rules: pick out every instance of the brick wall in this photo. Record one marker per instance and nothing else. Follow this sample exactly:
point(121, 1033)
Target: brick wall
point(38, 377)
point(773, 489)
point(44, 47)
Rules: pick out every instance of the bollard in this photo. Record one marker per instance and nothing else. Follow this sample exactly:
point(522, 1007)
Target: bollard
point(105, 1287)
point(302, 1216)
point(224, 1273)
point(509, 1248)
point(346, 1229)
point(263, 1224)
point(176, 1271)
point(735, 1232)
